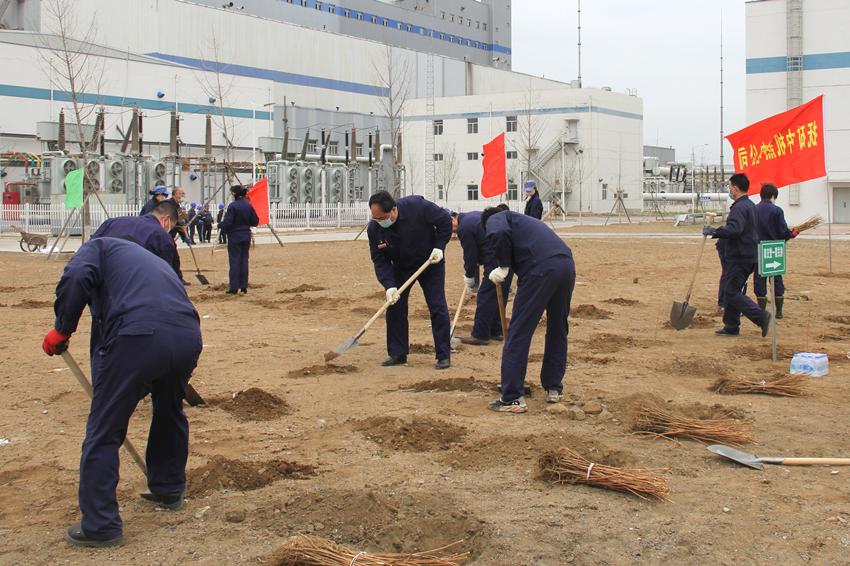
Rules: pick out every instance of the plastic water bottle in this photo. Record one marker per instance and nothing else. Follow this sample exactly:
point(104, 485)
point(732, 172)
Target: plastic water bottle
point(813, 365)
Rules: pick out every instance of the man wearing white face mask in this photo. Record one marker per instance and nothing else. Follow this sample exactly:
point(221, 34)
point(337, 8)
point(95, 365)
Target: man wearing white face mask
point(403, 235)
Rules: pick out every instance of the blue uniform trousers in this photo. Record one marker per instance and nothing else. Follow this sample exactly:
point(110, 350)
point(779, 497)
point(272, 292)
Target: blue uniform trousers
point(737, 303)
point(237, 255)
point(156, 359)
point(760, 286)
point(487, 324)
point(433, 283)
point(548, 286)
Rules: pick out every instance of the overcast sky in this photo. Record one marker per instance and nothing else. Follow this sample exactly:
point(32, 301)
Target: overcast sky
point(669, 50)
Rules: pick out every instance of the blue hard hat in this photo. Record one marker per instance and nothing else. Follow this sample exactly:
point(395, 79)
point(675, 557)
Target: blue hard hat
point(194, 204)
point(220, 206)
point(530, 185)
point(159, 190)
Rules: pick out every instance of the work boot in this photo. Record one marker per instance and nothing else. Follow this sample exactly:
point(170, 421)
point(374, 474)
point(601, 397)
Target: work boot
point(231, 292)
point(170, 501)
point(473, 341)
point(517, 406)
point(77, 537)
point(394, 361)
point(727, 332)
point(554, 396)
point(765, 324)
point(445, 363)
point(762, 301)
point(780, 302)
point(244, 290)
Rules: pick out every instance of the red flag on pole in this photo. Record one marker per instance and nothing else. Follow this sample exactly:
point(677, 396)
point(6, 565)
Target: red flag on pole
point(784, 149)
point(258, 196)
point(494, 181)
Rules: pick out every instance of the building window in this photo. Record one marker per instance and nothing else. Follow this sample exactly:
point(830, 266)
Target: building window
point(441, 194)
point(460, 20)
point(510, 124)
point(469, 23)
point(398, 25)
point(346, 13)
point(421, 31)
point(333, 148)
point(485, 26)
point(359, 150)
point(374, 19)
point(442, 36)
point(386, 22)
point(318, 5)
point(512, 155)
point(452, 17)
point(311, 146)
point(478, 25)
point(360, 16)
point(438, 127)
point(442, 15)
point(472, 156)
point(438, 157)
point(512, 192)
point(304, 3)
point(332, 9)
point(472, 125)
point(604, 191)
point(451, 39)
point(409, 28)
point(472, 192)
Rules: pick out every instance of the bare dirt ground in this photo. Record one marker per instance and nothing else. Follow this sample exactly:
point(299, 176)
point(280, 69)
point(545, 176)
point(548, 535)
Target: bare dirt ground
point(407, 458)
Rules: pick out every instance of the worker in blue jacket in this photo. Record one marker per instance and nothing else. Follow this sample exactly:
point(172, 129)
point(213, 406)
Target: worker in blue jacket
point(741, 235)
point(772, 227)
point(546, 278)
point(533, 204)
point(158, 194)
point(238, 221)
point(403, 235)
point(151, 231)
point(145, 338)
point(477, 252)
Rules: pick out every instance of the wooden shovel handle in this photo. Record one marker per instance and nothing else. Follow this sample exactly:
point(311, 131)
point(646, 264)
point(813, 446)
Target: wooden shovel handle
point(696, 269)
point(457, 312)
point(194, 259)
point(816, 462)
point(500, 299)
point(401, 290)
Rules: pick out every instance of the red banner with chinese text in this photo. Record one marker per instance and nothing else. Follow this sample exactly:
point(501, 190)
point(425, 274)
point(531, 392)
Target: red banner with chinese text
point(784, 149)
point(258, 196)
point(494, 181)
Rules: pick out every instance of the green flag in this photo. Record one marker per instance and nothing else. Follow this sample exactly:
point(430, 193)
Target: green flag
point(74, 189)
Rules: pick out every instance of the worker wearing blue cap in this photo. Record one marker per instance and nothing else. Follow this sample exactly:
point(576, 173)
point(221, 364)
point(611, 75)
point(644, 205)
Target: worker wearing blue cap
point(158, 194)
point(237, 224)
point(190, 214)
point(533, 205)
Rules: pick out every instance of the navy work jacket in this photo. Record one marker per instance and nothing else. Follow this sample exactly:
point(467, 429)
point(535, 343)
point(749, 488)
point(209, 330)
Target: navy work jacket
point(147, 231)
point(534, 207)
point(402, 248)
point(771, 222)
point(522, 242)
point(740, 232)
point(476, 248)
point(238, 220)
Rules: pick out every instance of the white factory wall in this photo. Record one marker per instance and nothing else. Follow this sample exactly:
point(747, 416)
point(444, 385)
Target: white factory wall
point(825, 44)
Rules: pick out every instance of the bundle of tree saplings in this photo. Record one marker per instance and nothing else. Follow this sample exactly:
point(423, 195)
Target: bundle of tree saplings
point(565, 466)
point(808, 223)
point(724, 430)
point(782, 386)
point(305, 550)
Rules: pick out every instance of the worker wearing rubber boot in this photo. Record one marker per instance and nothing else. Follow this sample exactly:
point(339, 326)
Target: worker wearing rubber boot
point(403, 235)
point(546, 277)
point(149, 231)
point(238, 221)
point(772, 227)
point(477, 252)
point(741, 235)
point(145, 338)
point(533, 204)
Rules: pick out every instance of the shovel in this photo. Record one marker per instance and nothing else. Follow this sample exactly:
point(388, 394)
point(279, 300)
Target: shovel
point(202, 279)
point(351, 342)
point(84, 382)
point(753, 461)
point(682, 314)
point(456, 341)
point(500, 299)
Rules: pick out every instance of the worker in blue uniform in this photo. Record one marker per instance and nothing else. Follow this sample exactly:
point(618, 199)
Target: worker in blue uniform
point(238, 221)
point(533, 204)
point(158, 194)
point(404, 234)
point(151, 231)
point(546, 278)
point(145, 338)
point(772, 227)
point(477, 252)
point(222, 235)
point(741, 235)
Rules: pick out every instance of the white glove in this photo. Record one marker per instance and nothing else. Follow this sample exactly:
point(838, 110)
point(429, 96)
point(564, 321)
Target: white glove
point(498, 275)
point(392, 295)
point(436, 255)
point(470, 283)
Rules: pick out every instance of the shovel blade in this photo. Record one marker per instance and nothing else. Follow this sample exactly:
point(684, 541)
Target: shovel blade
point(348, 344)
point(681, 315)
point(749, 460)
point(192, 396)
point(202, 279)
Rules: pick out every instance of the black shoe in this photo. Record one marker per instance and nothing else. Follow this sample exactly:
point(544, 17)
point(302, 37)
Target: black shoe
point(725, 332)
point(185, 283)
point(473, 341)
point(244, 291)
point(394, 361)
point(77, 537)
point(445, 363)
point(498, 338)
point(232, 292)
point(765, 325)
point(170, 501)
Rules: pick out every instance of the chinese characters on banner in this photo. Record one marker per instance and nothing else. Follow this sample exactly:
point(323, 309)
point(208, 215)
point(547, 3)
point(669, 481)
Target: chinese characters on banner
point(784, 149)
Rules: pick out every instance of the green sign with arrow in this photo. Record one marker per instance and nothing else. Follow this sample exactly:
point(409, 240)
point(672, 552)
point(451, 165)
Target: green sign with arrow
point(772, 258)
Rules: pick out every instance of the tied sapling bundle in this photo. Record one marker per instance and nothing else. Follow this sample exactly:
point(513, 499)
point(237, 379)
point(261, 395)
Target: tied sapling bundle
point(304, 550)
point(808, 223)
point(724, 430)
point(783, 386)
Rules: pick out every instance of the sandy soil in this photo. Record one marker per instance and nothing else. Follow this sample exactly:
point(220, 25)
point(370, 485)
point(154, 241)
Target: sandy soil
point(408, 458)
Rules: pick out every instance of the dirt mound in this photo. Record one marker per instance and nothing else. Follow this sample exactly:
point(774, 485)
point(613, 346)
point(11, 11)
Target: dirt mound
point(253, 405)
point(221, 474)
point(629, 408)
point(380, 521)
point(266, 303)
point(839, 319)
point(694, 366)
point(758, 352)
point(303, 288)
point(301, 302)
point(605, 343)
point(835, 334)
point(449, 384)
point(590, 312)
point(833, 275)
point(364, 310)
point(620, 301)
point(410, 434)
point(323, 369)
point(699, 321)
point(31, 304)
point(421, 349)
point(589, 359)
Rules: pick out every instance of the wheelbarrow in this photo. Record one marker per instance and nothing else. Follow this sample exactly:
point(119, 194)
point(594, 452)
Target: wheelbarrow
point(31, 242)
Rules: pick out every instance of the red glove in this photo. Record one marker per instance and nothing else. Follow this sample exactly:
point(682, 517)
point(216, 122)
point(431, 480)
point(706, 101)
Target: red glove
point(794, 233)
point(55, 342)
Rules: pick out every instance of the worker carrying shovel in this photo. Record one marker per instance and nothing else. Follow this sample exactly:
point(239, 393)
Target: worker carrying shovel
point(742, 240)
point(477, 251)
point(403, 235)
point(145, 338)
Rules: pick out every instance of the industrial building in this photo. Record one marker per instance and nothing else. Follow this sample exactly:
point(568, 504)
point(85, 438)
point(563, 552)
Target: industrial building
point(797, 50)
point(275, 83)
